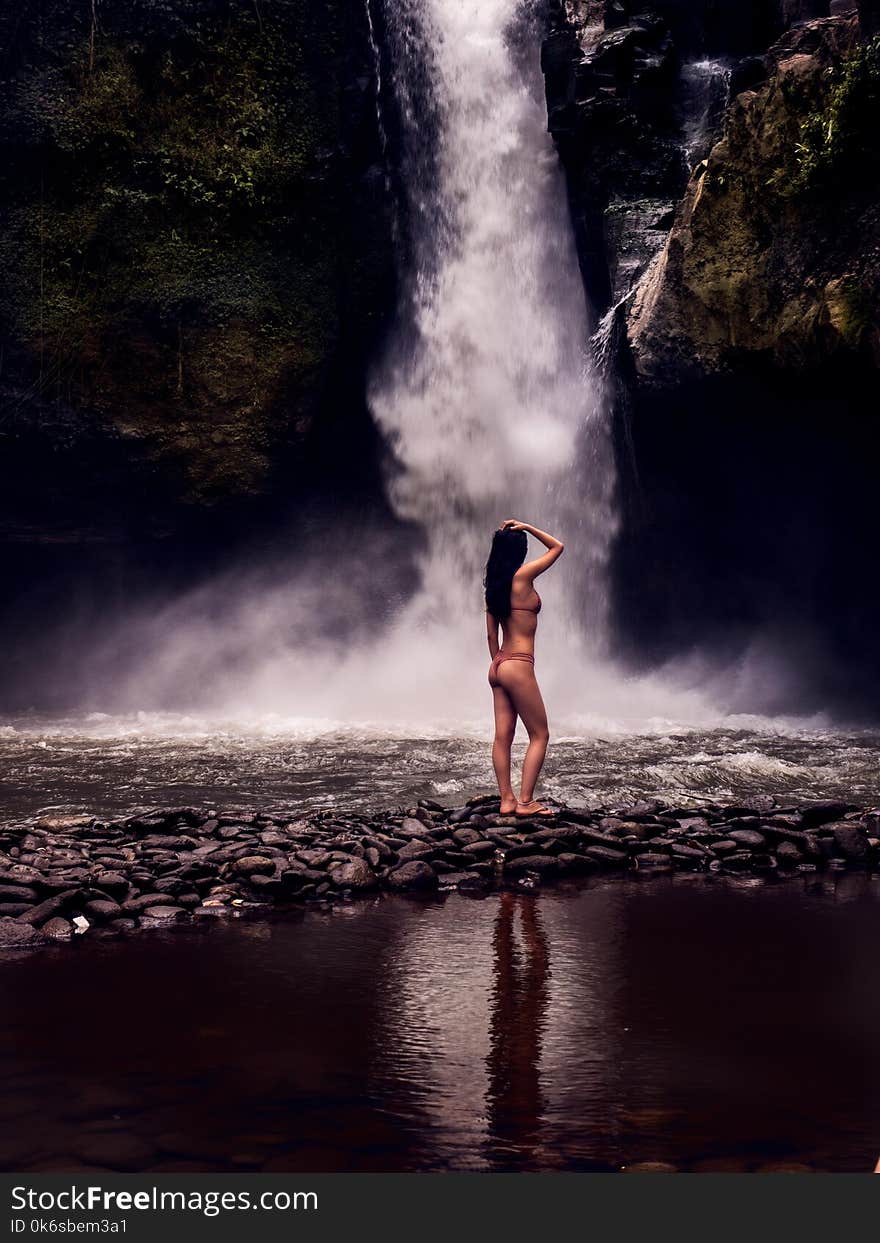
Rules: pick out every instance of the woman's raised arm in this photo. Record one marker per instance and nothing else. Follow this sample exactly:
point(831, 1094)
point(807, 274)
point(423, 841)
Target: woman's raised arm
point(554, 546)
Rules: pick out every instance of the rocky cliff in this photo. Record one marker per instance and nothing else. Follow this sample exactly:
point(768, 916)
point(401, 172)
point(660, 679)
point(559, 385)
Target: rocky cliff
point(637, 95)
point(724, 181)
point(196, 255)
point(774, 255)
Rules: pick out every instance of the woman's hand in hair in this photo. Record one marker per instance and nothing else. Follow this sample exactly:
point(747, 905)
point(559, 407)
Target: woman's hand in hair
point(511, 524)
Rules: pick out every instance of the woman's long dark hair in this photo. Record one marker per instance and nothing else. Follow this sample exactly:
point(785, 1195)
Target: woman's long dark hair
point(507, 555)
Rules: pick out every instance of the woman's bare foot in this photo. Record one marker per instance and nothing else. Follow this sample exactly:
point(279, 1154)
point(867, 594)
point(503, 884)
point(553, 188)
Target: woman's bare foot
point(532, 808)
point(507, 806)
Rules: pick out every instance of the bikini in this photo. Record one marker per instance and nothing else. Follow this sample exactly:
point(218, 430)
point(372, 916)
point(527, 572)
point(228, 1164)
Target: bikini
point(501, 655)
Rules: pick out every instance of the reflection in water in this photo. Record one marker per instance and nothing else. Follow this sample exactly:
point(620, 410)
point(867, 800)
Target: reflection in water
point(514, 1099)
point(705, 1023)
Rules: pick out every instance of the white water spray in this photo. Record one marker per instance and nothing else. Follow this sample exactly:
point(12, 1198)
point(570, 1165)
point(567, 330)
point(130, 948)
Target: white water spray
point(493, 408)
point(487, 393)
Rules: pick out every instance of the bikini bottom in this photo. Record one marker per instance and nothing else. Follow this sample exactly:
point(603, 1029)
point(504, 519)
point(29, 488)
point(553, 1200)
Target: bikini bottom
point(500, 658)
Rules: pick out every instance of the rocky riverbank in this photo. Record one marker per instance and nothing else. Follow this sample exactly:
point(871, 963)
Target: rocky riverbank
point(75, 874)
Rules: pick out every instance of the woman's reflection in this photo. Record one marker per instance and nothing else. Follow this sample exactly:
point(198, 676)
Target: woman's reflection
point(514, 1102)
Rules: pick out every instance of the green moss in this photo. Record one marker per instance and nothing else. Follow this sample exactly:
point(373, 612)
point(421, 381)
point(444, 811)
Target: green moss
point(839, 137)
point(172, 250)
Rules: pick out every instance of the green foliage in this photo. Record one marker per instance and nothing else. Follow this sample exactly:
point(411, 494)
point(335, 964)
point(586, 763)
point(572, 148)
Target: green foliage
point(839, 139)
point(171, 240)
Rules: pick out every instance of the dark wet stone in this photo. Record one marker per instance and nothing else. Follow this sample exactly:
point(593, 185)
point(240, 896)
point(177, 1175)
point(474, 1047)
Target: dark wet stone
point(788, 854)
point(134, 906)
point(102, 909)
point(21, 874)
point(606, 857)
point(449, 879)
point(16, 935)
point(474, 885)
point(414, 875)
point(724, 846)
point(575, 863)
point(851, 840)
point(251, 865)
point(592, 837)
point(738, 863)
point(557, 833)
point(544, 865)
point(383, 850)
point(38, 914)
point(163, 914)
point(17, 893)
point(484, 800)
point(416, 850)
point(653, 862)
point(688, 856)
point(356, 874)
point(264, 886)
point(457, 858)
point(479, 850)
point(466, 837)
point(646, 807)
point(57, 929)
point(824, 812)
point(411, 827)
point(14, 909)
point(748, 837)
point(577, 815)
point(764, 863)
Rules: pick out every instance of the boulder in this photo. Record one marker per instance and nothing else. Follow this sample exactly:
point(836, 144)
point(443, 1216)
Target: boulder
point(134, 906)
point(606, 857)
point(163, 914)
point(544, 865)
point(356, 874)
point(253, 865)
point(16, 935)
point(851, 840)
point(414, 875)
point(750, 838)
point(824, 812)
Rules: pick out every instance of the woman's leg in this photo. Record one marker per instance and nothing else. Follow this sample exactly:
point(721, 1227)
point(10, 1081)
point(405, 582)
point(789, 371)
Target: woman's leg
point(522, 688)
point(505, 728)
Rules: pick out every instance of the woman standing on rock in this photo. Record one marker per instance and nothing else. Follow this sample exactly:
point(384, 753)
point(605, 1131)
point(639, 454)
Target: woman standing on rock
point(513, 604)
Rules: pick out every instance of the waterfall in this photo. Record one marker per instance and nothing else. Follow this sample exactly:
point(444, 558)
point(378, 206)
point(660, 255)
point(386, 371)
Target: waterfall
point(706, 95)
point(491, 400)
point(486, 392)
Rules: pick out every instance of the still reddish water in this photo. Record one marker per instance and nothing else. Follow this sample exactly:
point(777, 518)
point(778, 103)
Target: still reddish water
point(695, 1021)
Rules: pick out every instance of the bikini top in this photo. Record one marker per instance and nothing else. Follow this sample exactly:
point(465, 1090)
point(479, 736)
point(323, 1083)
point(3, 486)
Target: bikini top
point(523, 608)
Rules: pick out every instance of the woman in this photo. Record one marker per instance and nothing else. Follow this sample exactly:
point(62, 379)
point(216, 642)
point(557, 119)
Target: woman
point(513, 603)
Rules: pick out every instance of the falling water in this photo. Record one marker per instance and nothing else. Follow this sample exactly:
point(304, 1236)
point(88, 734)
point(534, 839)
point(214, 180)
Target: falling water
point(487, 393)
point(491, 404)
point(707, 93)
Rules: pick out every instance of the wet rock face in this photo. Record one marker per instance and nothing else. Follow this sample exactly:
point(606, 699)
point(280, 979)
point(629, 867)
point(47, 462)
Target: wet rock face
point(773, 256)
point(636, 96)
point(194, 231)
point(176, 865)
point(613, 111)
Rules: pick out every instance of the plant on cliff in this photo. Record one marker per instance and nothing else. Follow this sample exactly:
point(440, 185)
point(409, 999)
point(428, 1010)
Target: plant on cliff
point(839, 139)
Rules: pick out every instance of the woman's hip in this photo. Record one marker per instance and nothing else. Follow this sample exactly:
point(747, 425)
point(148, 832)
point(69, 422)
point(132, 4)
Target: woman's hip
point(502, 657)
